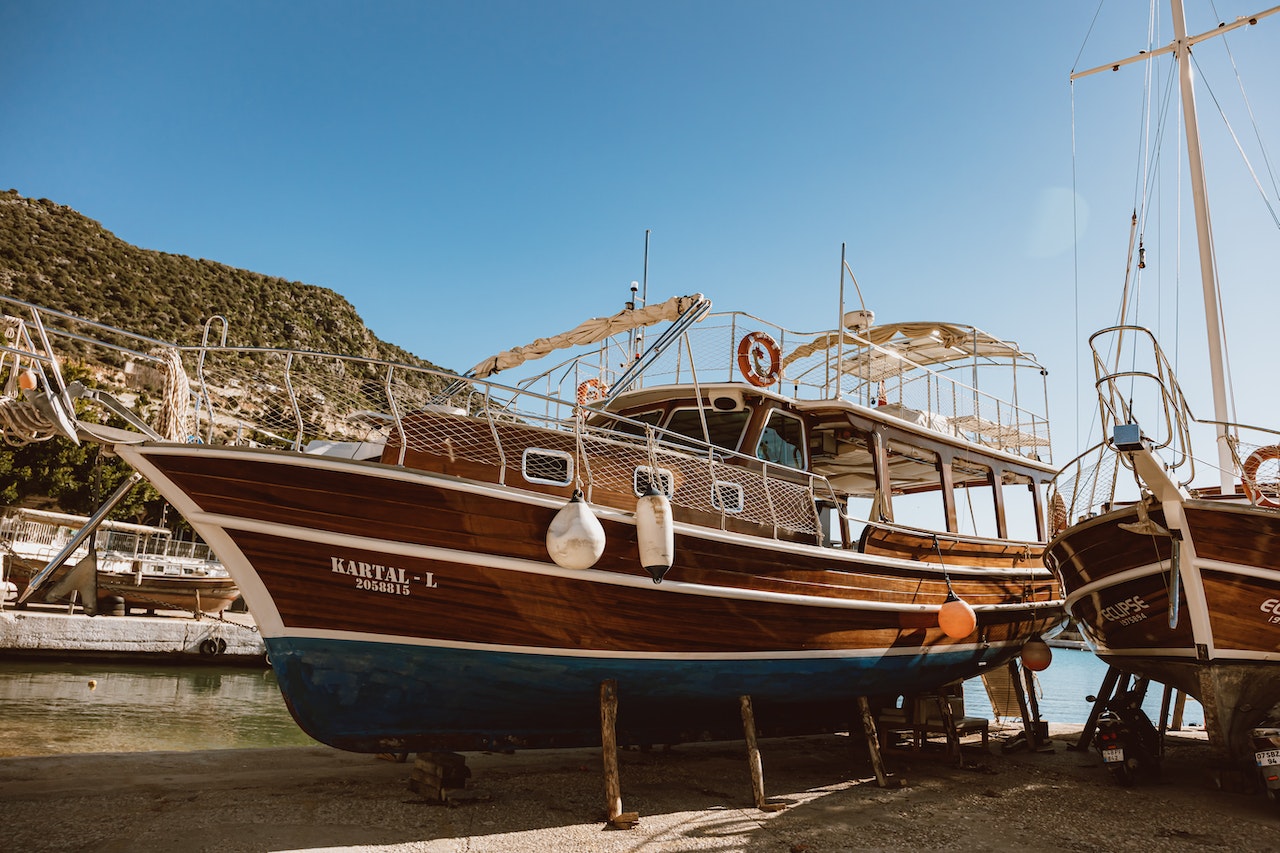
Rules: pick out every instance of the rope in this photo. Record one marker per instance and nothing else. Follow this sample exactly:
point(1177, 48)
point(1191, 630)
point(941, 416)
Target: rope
point(21, 423)
point(176, 421)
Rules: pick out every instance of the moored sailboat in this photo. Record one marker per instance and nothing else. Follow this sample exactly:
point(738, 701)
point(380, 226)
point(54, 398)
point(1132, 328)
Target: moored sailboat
point(1180, 585)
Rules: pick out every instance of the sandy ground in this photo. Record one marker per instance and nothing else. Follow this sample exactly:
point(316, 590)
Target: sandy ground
point(694, 797)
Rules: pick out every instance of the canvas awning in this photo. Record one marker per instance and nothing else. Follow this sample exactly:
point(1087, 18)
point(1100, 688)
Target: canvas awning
point(588, 332)
point(922, 344)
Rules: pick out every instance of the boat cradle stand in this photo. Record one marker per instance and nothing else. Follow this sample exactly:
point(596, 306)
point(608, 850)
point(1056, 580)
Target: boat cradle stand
point(618, 819)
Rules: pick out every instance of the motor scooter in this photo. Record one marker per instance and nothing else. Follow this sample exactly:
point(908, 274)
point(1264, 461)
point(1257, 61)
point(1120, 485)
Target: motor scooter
point(1126, 738)
point(1266, 754)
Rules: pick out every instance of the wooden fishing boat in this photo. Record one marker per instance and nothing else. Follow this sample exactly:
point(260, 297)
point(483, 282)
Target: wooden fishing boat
point(697, 506)
point(140, 566)
point(1180, 583)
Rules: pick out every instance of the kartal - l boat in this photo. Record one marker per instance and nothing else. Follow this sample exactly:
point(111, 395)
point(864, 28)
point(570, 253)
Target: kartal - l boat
point(1181, 586)
point(712, 508)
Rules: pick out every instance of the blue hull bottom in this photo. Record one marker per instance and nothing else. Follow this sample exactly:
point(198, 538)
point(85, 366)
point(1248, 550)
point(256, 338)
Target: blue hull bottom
point(379, 697)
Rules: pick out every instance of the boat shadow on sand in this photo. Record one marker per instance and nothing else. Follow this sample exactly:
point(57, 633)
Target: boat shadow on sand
point(696, 796)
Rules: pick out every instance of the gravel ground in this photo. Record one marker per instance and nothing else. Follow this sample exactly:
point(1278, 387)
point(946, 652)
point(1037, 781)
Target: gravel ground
point(693, 797)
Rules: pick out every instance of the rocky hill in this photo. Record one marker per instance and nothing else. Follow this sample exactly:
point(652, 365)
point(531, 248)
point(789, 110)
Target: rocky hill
point(55, 257)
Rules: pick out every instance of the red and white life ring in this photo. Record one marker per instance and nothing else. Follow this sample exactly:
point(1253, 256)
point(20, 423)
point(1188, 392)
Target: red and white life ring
point(591, 391)
point(1251, 465)
point(759, 359)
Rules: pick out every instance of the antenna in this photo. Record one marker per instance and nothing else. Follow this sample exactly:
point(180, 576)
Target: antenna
point(644, 296)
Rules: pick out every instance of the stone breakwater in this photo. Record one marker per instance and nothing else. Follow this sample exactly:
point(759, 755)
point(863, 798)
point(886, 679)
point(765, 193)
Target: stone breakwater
point(45, 633)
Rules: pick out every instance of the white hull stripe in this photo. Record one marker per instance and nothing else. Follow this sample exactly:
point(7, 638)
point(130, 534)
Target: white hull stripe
point(516, 564)
point(1163, 568)
point(817, 654)
point(1221, 656)
point(1114, 580)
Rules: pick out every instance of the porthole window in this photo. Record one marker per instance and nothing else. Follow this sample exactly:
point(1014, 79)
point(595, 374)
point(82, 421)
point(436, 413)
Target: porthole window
point(661, 479)
point(727, 497)
point(549, 467)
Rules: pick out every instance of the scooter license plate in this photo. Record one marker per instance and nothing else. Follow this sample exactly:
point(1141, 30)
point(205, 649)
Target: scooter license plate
point(1267, 757)
point(1111, 756)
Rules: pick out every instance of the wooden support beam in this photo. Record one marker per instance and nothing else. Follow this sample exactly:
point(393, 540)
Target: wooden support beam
point(436, 774)
point(753, 757)
point(1036, 728)
point(1165, 700)
point(949, 726)
point(609, 752)
point(1104, 693)
point(1179, 705)
point(873, 746)
point(1019, 690)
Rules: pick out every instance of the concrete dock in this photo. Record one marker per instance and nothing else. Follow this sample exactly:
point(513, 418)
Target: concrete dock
point(38, 631)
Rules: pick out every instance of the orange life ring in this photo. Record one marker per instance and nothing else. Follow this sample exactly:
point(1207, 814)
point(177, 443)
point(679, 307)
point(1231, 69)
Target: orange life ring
point(753, 350)
point(1250, 473)
point(591, 391)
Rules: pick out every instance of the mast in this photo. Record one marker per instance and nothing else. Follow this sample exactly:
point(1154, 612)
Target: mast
point(1181, 49)
point(1204, 244)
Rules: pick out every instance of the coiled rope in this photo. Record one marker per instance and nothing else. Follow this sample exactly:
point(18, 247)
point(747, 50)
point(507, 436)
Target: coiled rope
point(176, 421)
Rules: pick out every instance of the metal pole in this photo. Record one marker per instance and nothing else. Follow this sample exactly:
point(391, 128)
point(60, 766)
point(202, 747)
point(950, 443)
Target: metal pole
point(85, 532)
point(840, 328)
point(1204, 241)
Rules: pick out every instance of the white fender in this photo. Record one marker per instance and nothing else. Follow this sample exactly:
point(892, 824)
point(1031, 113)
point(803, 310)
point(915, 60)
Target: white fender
point(575, 538)
point(655, 533)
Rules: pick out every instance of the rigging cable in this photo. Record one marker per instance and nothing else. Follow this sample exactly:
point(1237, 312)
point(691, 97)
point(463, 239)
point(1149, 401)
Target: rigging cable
point(1075, 227)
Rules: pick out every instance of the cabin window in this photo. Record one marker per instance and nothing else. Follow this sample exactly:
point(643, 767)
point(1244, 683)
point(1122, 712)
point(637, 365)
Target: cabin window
point(661, 479)
point(723, 428)
point(649, 418)
point(1020, 506)
point(917, 487)
point(549, 467)
point(975, 499)
point(727, 497)
point(782, 440)
point(860, 510)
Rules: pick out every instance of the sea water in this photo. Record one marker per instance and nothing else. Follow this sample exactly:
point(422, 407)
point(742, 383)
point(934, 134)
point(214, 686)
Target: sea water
point(1061, 691)
point(56, 708)
point(51, 708)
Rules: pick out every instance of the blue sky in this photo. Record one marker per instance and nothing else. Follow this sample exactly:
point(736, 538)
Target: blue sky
point(471, 175)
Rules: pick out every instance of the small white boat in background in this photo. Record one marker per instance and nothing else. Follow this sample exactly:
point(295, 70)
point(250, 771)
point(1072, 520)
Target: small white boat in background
point(141, 566)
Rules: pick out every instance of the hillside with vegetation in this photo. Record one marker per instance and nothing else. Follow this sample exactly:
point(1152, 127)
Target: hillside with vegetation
point(57, 258)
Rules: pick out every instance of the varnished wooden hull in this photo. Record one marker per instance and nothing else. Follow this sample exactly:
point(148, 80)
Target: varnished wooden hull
point(408, 610)
point(1224, 646)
